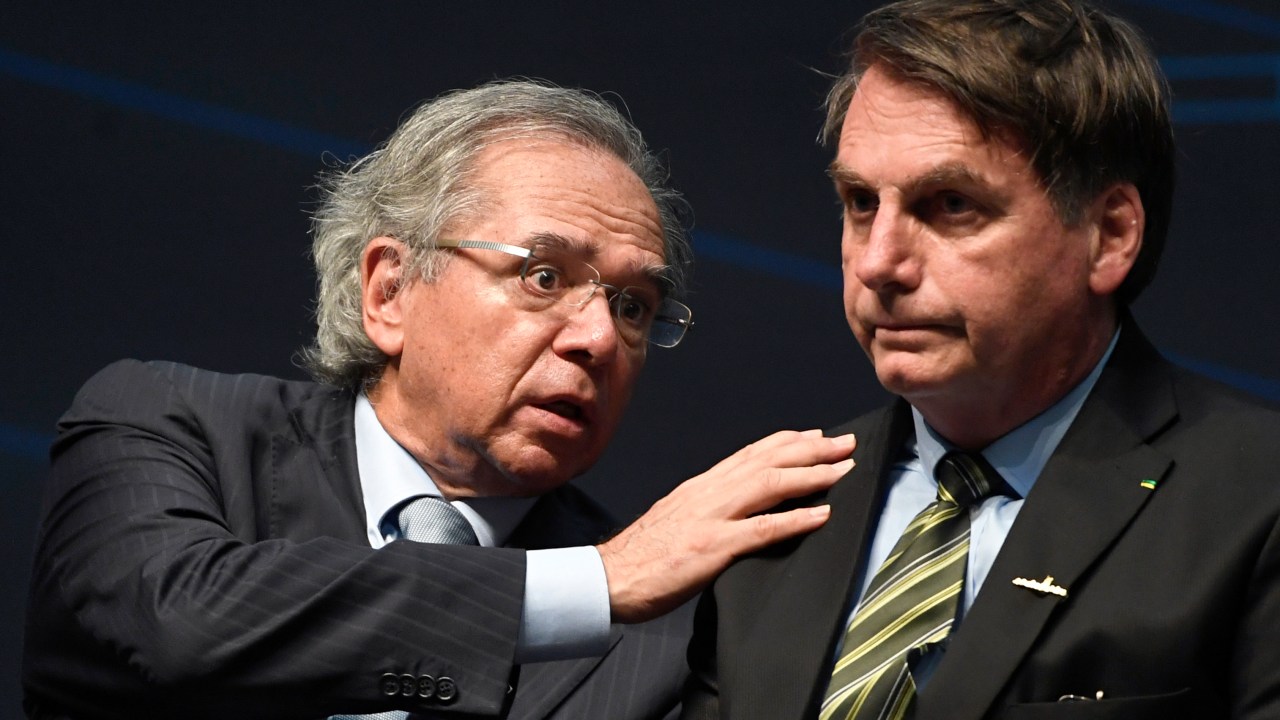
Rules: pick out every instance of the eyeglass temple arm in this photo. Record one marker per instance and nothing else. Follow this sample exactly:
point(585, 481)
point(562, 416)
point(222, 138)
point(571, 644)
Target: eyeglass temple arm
point(486, 245)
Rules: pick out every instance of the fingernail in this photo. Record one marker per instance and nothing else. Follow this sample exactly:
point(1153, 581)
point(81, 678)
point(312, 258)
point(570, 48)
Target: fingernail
point(845, 465)
point(820, 511)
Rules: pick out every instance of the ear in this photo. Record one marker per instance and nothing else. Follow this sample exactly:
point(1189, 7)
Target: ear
point(1120, 221)
point(382, 268)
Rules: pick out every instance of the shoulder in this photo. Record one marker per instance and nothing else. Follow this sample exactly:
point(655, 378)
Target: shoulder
point(1202, 399)
point(1226, 437)
point(141, 386)
point(169, 399)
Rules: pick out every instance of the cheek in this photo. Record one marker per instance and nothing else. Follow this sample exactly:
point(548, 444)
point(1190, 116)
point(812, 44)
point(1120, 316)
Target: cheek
point(852, 285)
point(850, 251)
point(623, 379)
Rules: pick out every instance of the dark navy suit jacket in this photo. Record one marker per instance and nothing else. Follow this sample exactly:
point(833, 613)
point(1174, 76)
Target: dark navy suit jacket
point(202, 553)
point(1173, 593)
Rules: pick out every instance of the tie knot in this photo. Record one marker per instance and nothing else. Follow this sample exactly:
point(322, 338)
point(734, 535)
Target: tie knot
point(429, 519)
point(967, 478)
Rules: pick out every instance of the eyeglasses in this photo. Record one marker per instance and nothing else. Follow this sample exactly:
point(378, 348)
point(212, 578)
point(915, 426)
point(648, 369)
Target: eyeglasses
point(552, 274)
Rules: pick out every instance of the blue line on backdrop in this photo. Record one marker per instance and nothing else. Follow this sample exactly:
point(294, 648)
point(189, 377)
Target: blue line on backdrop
point(24, 443)
point(1253, 384)
point(1224, 15)
point(1202, 111)
point(1212, 112)
point(1206, 67)
point(712, 246)
point(134, 96)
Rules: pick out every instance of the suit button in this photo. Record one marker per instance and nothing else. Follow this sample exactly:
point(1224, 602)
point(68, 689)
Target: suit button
point(390, 684)
point(426, 687)
point(408, 685)
point(446, 689)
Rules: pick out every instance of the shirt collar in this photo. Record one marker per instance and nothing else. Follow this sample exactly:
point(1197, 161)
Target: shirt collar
point(1022, 453)
point(390, 475)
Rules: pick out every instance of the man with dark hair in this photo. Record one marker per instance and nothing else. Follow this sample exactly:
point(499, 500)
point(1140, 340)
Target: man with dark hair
point(1050, 513)
point(217, 546)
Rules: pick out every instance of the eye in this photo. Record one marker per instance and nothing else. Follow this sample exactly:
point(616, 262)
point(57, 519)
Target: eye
point(954, 204)
point(631, 309)
point(546, 278)
point(859, 201)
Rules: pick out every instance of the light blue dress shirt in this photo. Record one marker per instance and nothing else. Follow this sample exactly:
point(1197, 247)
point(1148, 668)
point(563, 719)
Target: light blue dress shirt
point(566, 596)
point(1019, 456)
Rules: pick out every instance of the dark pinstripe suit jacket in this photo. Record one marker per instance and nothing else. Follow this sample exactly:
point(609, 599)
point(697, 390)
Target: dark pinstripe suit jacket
point(1173, 593)
point(202, 553)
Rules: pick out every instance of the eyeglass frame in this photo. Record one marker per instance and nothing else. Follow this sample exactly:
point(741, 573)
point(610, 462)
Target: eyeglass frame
point(684, 324)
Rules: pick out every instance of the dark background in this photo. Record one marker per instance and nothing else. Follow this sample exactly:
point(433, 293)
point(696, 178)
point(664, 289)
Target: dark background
point(156, 160)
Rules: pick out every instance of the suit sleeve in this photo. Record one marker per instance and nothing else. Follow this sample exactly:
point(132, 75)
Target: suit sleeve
point(150, 598)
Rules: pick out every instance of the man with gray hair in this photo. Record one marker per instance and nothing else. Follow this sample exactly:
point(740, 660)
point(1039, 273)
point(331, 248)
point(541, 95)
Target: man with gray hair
point(400, 537)
point(1050, 521)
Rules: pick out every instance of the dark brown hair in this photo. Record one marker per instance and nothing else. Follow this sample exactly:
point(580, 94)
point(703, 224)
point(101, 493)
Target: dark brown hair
point(1079, 87)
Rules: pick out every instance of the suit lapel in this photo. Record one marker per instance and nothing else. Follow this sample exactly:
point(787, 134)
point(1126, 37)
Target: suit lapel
point(543, 686)
point(316, 492)
point(1087, 495)
point(806, 619)
point(563, 518)
point(315, 488)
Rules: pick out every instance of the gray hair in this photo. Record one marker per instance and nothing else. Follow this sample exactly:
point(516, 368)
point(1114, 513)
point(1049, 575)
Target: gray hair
point(418, 181)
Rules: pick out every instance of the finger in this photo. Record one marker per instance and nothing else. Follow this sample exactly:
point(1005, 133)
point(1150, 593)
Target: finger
point(760, 531)
point(782, 484)
point(807, 450)
point(762, 447)
point(781, 437)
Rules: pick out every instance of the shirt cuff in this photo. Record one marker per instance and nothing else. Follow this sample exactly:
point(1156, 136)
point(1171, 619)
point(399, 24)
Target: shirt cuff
point(566, 606)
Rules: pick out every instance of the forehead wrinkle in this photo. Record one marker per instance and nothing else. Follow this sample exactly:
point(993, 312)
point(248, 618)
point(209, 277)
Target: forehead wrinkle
point(622, 218)
point(589, 248)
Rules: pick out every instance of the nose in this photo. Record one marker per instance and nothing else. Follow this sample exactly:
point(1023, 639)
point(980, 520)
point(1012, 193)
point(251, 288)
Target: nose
point(589, 332)
point(883, 255)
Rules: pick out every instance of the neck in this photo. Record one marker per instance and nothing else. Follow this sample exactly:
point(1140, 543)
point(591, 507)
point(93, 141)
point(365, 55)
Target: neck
point(453, 473)
point(974, 420)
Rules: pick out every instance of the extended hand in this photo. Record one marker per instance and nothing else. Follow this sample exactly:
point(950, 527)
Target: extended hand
point(691, 535)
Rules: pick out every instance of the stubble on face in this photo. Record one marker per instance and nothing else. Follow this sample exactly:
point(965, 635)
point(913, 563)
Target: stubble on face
point(962, 285)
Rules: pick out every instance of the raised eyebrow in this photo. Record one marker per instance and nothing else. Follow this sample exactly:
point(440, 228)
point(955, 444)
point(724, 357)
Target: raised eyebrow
point(563, 243)
point(657, 273)
point(660, 275)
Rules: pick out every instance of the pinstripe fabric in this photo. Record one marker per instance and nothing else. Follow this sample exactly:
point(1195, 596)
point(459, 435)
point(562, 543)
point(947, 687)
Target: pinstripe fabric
point(911, 602)
point(203, 554)
point(425, 519)
point(389, 715)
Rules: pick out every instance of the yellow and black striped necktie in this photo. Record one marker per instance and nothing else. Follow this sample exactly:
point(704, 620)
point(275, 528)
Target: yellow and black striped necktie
point(912, 600)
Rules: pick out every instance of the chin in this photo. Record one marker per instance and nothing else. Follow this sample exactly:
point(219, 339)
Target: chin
point(544, 471)
point(907, 382)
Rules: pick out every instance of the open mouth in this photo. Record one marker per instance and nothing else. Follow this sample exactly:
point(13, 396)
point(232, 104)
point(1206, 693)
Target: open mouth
point(565, 409)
